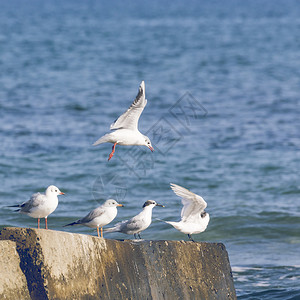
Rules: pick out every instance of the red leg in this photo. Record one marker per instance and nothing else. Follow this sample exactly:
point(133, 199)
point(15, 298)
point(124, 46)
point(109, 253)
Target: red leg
point(46, 225)
point(38, 223)
point(112, 152)
point(98, 231)
point(101, 232)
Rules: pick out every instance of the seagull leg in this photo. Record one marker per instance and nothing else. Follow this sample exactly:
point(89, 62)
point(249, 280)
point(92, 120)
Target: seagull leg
point(98, 231)
point(101, 232)
point(38, 223)
point(135, 236)
point(139, 236)
point(190, 237)
point(112, 152)
point(46, 225)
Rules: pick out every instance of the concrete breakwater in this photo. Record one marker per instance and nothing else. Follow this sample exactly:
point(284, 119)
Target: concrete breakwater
point(46, 264)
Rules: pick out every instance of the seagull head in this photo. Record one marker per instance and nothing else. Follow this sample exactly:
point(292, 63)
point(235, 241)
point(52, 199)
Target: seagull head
point(112, 203)
point(148, 143)
point(52, 189)
point(151, 204)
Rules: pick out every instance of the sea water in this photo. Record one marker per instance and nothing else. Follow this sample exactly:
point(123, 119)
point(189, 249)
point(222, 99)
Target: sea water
point(223, 85)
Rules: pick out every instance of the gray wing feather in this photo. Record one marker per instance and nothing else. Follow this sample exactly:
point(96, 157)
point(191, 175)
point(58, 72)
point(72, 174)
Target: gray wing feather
point(97, 212)
point(125, 226)
point(130, 118)
point(133, 224)
point(35, 200)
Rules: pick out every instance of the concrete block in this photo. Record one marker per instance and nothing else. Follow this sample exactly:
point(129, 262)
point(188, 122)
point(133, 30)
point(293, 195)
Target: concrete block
point(13, 284)
point(61, 265)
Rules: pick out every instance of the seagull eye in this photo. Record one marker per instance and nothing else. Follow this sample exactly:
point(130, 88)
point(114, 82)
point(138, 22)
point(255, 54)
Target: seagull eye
point(55, 190)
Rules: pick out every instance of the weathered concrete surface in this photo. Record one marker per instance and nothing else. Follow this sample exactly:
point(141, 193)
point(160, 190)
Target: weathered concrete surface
point(13, 283)
point(61, 265)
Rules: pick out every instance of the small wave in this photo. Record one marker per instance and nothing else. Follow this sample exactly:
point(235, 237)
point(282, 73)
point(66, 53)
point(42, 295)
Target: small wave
point(243, 269)
point(76, 107)
point(261, 284)
point(263, 281)
point(286, 294)
point(291, 191)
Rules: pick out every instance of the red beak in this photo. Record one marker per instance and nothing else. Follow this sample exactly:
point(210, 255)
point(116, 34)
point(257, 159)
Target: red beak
point(61, 193)
point(151, 148)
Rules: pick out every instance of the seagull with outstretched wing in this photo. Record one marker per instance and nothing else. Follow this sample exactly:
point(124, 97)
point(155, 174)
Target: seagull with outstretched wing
point(194, 218)
point(125, 129)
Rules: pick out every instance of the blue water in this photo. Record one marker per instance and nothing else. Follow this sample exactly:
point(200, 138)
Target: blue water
point(67, 70)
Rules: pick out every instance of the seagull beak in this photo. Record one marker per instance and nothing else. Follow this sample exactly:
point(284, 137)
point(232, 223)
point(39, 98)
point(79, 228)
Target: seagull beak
point(159, 205)
point(61, 193)
point(120, 205)
point(151, 148)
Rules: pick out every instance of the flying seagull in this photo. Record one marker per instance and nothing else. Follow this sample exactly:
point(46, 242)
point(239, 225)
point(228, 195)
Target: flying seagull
point(125, 129)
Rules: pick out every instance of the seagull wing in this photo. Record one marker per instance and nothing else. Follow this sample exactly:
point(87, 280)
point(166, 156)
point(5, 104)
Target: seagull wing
point(97, 212)
point(35, 200)
point(193, 204)
point(134, 223)
point(130, 118)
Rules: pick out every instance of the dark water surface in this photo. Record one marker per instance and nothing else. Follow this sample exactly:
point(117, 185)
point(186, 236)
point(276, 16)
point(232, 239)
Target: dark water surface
point(67, 70)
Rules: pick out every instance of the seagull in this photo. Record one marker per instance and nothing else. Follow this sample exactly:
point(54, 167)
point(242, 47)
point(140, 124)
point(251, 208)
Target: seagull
point(125, 129)
point(194, 218)
point(138, 223)
point(40, 205)
point(99, 216)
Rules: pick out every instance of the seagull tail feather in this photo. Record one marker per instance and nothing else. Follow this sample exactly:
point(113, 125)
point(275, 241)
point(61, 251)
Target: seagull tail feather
point(117, 227)
point(71, 224)
point(16, 205)
point(160, 220)
point(102, 140)
point(111, 229)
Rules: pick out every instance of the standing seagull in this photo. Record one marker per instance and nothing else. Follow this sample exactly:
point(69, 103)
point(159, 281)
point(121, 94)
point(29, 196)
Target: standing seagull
point(138, 223)
point(40, 205)
point(194, 219)
point(125, 128)
point(99, 216)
